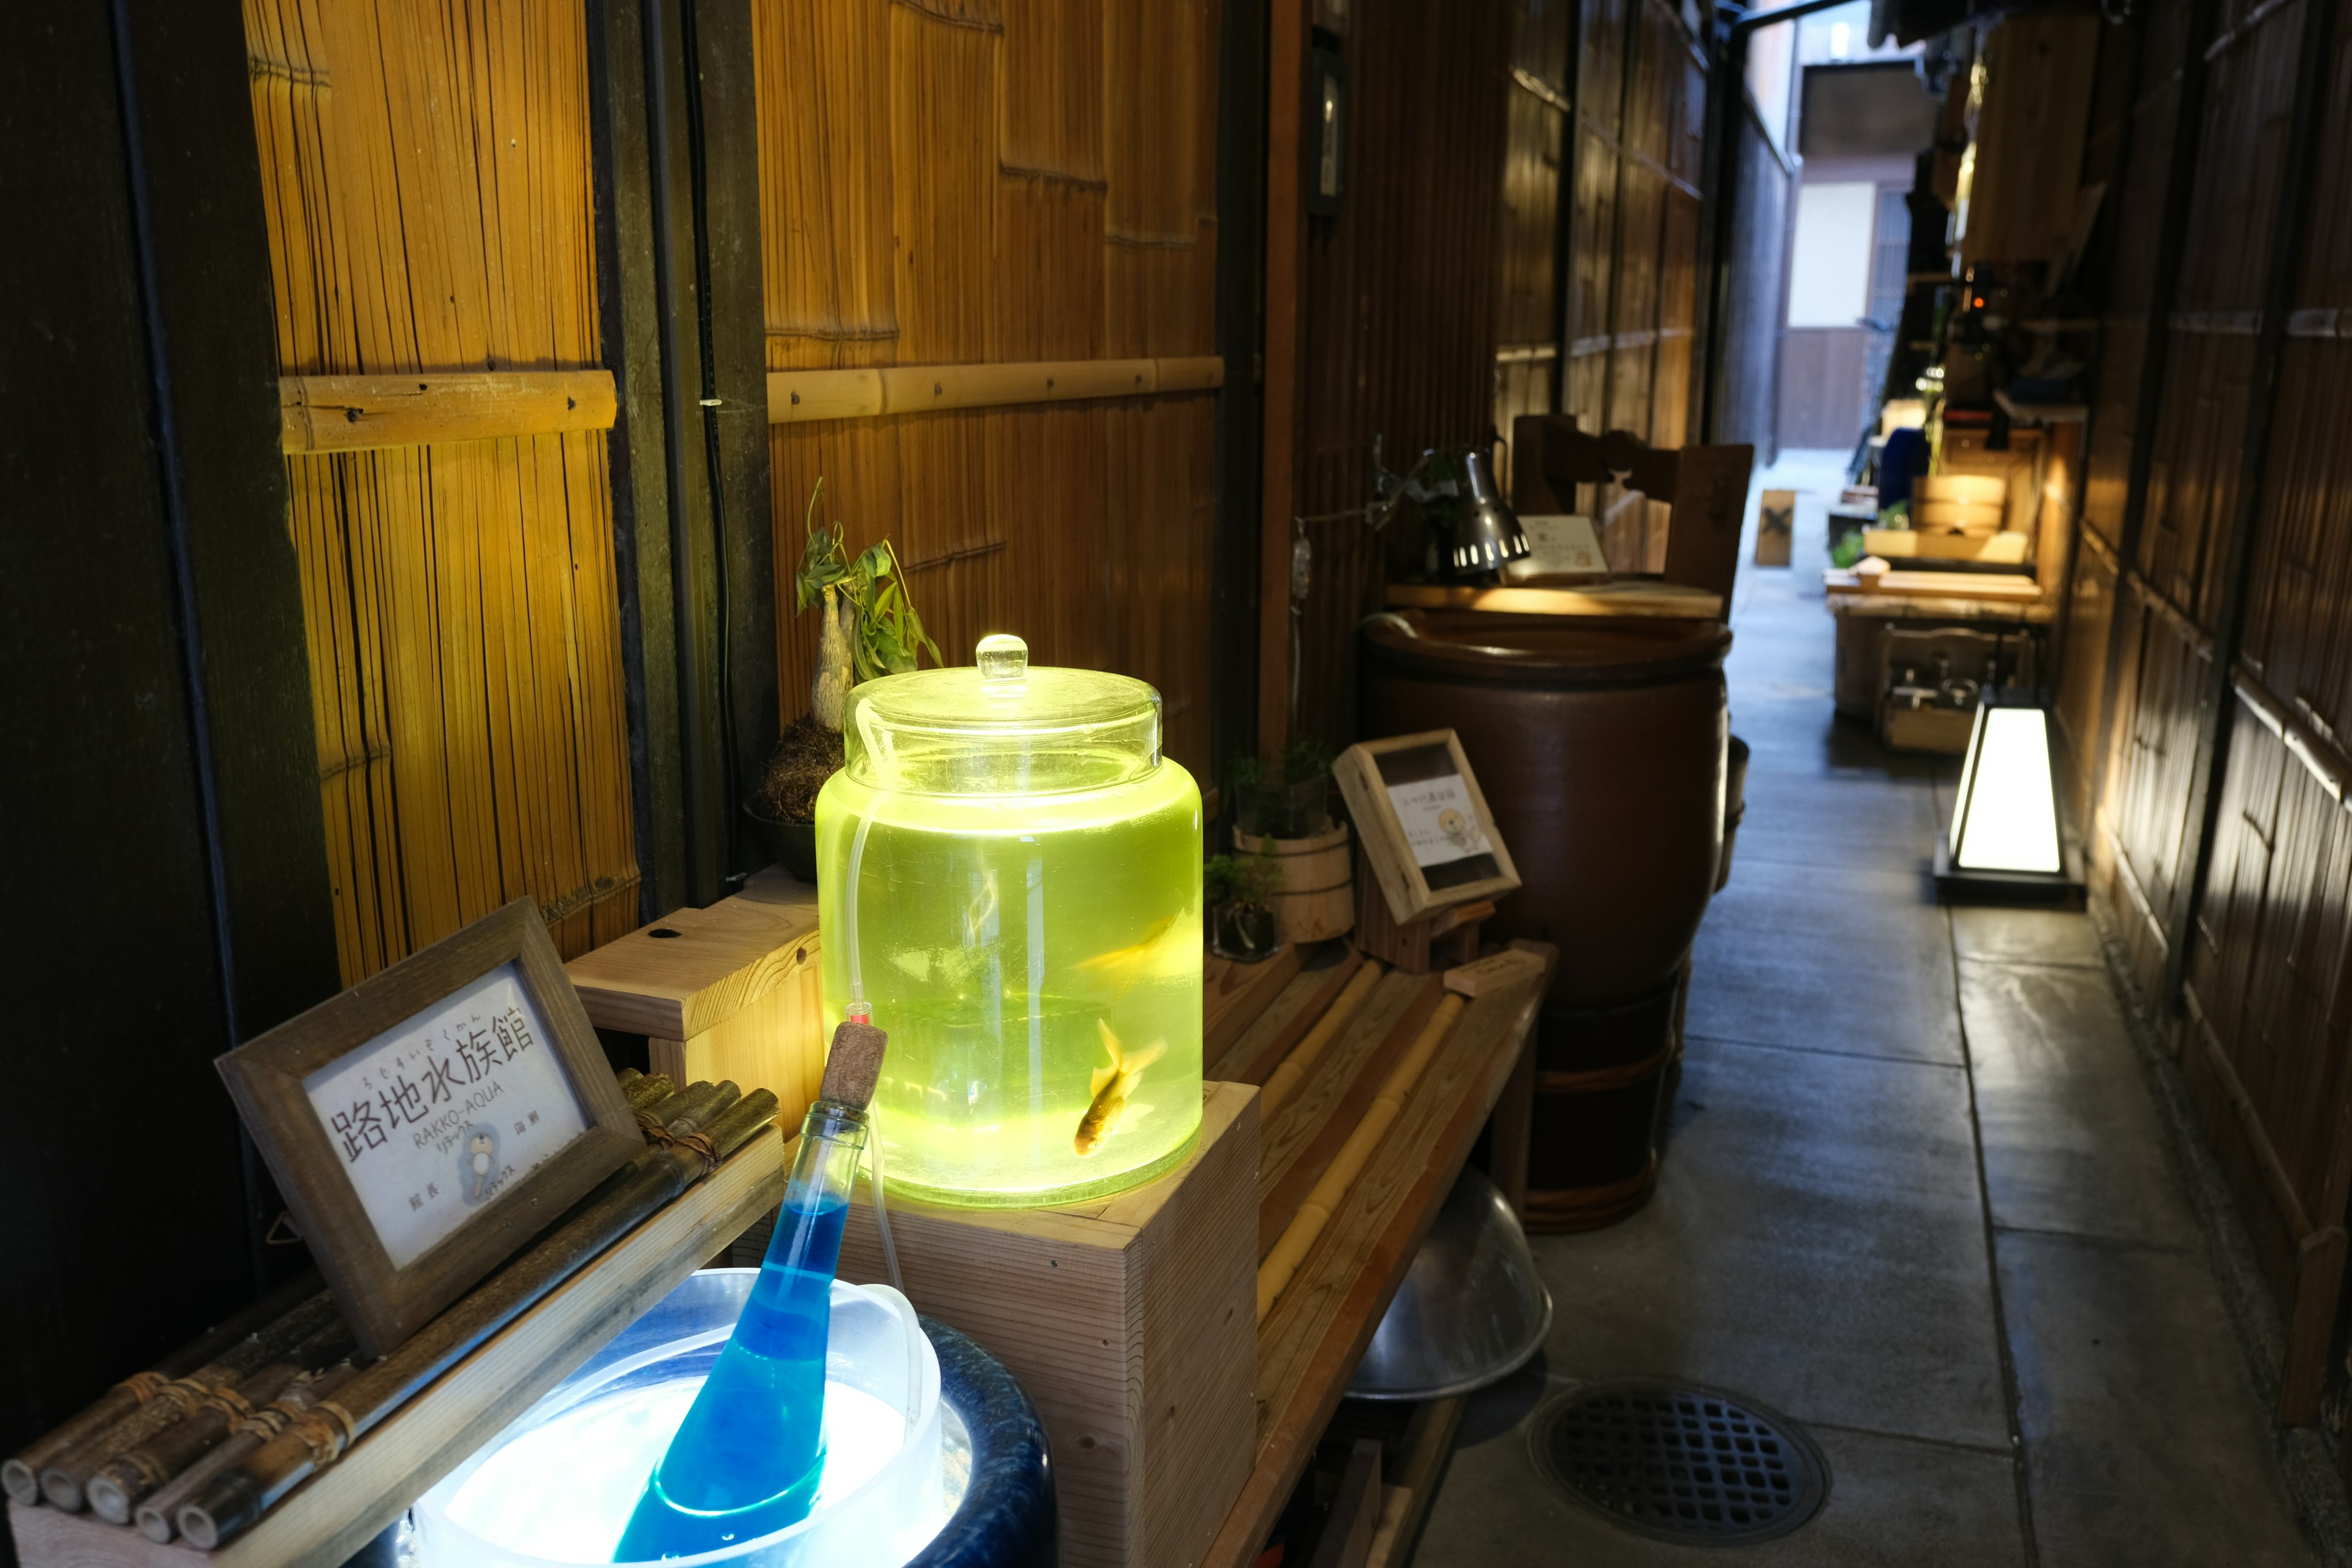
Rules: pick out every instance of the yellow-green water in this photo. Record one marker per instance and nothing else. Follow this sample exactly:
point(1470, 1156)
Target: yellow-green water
point(998, 937)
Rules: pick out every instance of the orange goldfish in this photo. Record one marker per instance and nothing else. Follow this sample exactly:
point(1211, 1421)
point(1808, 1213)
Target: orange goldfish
point(1111, 1110)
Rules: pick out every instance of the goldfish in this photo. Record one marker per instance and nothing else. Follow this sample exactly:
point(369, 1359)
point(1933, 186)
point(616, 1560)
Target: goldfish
point(1111, 1110)
point(1167, 949)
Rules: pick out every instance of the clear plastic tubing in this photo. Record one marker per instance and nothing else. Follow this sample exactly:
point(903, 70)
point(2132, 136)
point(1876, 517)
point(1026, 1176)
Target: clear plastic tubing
point(747, 1460)
point(861, 1011)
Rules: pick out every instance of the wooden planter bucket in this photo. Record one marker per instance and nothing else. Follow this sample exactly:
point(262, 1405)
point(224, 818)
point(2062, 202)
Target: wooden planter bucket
point(1317, 900)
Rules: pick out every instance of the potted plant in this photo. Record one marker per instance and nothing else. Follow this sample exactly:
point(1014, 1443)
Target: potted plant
point(1241, 922)
point(866, 627)
point(1282, 808)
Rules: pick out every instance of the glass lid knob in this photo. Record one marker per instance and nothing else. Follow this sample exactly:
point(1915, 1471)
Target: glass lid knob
point(1003, 661)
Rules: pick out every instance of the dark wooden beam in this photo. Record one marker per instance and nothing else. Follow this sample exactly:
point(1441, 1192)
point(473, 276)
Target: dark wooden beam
point(724, 133)
point(1235, 586)
point(158, 762)
point(628, 310)
point(1286, 339)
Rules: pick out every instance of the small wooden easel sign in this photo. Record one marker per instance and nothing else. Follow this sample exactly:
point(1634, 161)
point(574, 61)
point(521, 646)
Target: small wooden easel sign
point(1438, 861)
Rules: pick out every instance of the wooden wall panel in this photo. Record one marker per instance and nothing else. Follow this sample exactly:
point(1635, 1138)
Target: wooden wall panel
point(1537, 128)
point(429, 188)
point(2195, 464)
point(2264, 1037)
point(1633, 247)
point(1400, 308)
point(1747, 398)
point(1046, 190)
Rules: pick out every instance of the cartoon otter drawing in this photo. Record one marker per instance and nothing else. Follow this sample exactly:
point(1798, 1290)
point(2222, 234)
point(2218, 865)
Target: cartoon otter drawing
point(1457, 829)
point(483, 1145)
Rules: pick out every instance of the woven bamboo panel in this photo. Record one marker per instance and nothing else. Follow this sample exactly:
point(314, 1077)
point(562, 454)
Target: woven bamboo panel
point(961, 182)
point(428, 191)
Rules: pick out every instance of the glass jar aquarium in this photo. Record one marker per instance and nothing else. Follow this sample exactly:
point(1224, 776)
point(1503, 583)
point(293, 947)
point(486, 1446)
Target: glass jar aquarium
point(1008, 874)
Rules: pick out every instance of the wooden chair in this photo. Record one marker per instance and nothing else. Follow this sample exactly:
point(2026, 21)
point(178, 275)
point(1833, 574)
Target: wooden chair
point(1705, 488)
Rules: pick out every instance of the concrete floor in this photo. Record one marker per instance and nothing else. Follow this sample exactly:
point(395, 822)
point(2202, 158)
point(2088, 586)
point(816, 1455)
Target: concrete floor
point(1916, 1197)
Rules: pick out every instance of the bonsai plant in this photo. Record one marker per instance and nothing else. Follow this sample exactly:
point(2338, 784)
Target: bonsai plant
point(1287, 797)
point(1240, 888)
point(866, 627)
point(1282, 810)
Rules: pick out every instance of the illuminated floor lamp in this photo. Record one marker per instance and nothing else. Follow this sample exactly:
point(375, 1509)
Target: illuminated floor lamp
point(2005, 840)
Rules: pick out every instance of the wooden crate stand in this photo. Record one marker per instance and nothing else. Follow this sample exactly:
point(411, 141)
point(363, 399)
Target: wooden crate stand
point(731, 993)
point(1132, 1322)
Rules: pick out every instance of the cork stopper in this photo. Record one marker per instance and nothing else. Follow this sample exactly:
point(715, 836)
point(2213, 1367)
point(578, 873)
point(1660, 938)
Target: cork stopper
point(853, 1064)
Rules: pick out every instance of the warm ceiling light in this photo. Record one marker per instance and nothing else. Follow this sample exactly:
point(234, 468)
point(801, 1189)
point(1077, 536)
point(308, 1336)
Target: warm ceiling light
point(2005, 834)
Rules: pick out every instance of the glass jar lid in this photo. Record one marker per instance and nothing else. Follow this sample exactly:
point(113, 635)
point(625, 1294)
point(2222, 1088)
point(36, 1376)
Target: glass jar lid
point(1000, 726)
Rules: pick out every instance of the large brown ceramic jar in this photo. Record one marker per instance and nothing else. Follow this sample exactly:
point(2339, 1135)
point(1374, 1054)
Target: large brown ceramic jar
point(1599, 744)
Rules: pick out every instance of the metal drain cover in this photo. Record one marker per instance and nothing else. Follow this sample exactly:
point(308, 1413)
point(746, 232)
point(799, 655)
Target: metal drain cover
point(1682, 1463)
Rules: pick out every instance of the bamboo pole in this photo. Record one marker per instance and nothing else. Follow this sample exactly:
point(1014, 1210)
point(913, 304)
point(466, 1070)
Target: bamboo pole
point(1281, 1265)
point(232, 1500)
point(117, 1488)
point(63, 1478)
point(356, 413)
point(20, 1474)
point(801, 396)
point(1284, 1081)
point(155, 1516)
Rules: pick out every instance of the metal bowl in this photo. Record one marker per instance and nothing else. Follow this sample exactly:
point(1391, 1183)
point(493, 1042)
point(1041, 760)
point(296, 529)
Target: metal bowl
point(1471, 1310)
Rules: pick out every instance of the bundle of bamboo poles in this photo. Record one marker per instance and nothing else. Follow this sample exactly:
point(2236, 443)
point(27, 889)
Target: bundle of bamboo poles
point(202, 1445)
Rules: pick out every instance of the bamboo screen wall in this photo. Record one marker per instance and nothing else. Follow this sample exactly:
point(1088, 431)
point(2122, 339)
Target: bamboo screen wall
point(2194, 459)
point(2266, 1040)
point(2267, 967)
point(427, 185)
point(1633, 234)
point(978, 181)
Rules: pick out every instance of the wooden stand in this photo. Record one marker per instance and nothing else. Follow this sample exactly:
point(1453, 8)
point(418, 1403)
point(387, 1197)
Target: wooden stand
point(343, 1507)
point(1439, 940)
point(730, 991)
point(1130, 1322)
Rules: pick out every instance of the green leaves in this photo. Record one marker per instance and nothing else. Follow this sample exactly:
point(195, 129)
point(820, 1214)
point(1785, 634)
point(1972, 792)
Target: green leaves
point(889, 633)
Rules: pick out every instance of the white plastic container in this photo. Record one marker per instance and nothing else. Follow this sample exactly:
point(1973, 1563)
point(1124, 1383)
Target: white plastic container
point(557, 1486)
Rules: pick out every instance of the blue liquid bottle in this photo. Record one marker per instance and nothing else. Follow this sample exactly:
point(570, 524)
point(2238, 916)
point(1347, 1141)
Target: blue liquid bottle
point(747, 1460)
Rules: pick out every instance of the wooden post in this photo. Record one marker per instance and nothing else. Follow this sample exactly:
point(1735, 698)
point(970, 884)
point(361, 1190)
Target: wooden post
point(1285, 331)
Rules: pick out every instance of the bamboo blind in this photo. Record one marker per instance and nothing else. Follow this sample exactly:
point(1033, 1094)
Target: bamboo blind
point(427, 184)
point(983, 182)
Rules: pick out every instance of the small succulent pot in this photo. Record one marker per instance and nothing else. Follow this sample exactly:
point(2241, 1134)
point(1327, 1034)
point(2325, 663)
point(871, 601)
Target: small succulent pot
point(1246, 933)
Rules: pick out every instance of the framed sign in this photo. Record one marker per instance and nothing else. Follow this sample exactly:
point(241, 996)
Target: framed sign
point(1423, 822)
point(430, 1120)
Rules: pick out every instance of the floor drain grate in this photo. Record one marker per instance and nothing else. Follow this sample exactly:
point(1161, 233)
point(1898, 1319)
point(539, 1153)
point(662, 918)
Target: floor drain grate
point(1682, 1463)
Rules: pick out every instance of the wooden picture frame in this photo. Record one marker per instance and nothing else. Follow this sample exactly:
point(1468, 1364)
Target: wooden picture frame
point(435, 1055)
point(1417, 880)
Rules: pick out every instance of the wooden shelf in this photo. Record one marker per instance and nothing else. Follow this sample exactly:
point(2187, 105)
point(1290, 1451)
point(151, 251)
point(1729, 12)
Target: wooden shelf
point(1634, 596)
point(1309, 1344)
